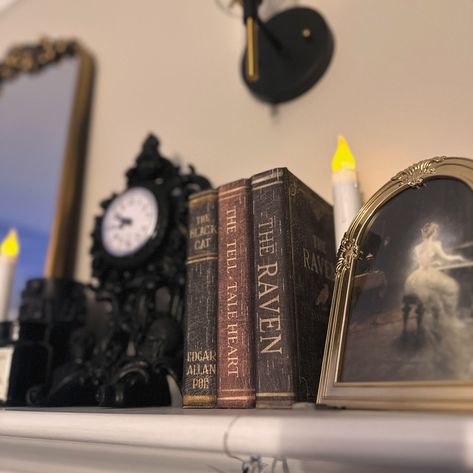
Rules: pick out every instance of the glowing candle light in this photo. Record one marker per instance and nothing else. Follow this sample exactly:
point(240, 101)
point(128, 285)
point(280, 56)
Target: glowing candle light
point(9, 250)
point(346, 195)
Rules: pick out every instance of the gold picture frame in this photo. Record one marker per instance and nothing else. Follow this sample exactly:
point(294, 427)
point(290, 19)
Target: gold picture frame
point(399, 325)
point(31, 58)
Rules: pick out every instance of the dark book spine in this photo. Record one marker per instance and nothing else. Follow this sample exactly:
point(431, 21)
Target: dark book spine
point(294, 274)
point(312, 244)
point(235, 297)
point(274, 304)
point(200, 341)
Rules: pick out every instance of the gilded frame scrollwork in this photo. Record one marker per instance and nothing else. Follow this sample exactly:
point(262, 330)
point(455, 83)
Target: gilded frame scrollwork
point(31, 58)
point(406, 395)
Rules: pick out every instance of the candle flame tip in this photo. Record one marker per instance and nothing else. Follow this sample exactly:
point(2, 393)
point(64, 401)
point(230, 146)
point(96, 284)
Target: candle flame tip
point(343, 157)
point(10, 245)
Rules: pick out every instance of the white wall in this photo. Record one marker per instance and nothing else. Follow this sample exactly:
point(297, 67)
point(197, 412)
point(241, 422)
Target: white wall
point(400, 88)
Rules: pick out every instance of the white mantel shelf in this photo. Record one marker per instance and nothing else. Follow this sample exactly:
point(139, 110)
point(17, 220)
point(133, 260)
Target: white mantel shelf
point(154, 440)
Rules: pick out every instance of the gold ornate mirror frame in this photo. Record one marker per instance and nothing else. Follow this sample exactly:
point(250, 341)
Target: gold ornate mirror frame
point(432, 394)
point(60, 257)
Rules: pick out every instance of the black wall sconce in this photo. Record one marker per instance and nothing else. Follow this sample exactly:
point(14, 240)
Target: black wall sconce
point(286, 55)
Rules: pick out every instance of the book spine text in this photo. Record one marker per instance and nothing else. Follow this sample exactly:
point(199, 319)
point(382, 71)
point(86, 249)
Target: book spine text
point(235, 297)
point(200, 343)
point(274, 330)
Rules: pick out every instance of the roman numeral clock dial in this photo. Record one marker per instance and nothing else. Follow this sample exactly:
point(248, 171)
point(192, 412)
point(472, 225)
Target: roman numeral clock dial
point(129, 235)
point(130, 222)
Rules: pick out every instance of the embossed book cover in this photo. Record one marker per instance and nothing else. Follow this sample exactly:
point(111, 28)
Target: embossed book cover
point(294, 276)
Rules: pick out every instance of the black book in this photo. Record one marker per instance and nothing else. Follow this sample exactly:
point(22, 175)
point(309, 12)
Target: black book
point(200, 339)
point(294, 247)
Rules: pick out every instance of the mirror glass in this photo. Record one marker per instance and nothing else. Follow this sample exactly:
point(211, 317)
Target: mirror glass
point(35, 116)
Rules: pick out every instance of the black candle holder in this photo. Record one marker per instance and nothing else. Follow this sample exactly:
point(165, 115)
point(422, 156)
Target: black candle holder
point(60, 306)
point(25, 359)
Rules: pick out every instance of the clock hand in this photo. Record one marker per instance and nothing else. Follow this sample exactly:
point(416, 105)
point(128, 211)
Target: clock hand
point(123, 220)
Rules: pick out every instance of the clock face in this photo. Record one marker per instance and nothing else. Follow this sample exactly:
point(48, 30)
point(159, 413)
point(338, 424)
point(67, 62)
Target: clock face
point(130, 222)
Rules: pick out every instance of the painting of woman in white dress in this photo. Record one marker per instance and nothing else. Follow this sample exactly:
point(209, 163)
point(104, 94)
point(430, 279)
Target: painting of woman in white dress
point(429, 286)
point(411, 308)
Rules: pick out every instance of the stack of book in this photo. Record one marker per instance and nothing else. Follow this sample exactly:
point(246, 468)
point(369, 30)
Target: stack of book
point(261, 269)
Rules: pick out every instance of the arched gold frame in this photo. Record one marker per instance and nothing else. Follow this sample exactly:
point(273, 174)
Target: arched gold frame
point(60, 259)
point(431, 395)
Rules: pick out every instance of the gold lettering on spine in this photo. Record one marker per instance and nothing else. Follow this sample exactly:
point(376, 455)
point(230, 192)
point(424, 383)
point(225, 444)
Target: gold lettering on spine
point(315, 260)
point(201, 233)
point(269, 309)
point(201, 364)
point(266, 237)
point(232, 311)
point(231, 220)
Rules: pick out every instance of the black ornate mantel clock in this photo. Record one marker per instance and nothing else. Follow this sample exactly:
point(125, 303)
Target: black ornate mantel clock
point(138, 268)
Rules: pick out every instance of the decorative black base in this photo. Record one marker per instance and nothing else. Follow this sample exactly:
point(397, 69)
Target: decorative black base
point(294, 53)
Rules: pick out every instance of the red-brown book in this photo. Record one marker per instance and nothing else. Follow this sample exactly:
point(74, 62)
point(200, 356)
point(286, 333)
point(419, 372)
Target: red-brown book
point(294, 264)
point(235, 354)
point(200, 340)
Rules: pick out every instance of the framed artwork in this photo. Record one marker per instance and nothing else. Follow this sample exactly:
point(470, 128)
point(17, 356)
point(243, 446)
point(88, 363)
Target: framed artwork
point(401, 325)
point(45, 97)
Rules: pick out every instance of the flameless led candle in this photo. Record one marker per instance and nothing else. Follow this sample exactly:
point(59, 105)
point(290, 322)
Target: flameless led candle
point(9, 250)
point(346, 195)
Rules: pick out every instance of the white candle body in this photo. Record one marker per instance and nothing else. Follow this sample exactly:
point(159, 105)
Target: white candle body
point(7, 274)
point(346, 201)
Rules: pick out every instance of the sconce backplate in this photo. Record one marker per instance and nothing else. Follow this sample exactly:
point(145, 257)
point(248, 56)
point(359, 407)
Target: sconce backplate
point(307, 48)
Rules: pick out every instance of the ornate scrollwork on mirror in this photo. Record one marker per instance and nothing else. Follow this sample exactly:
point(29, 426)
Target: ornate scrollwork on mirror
point(32, 58)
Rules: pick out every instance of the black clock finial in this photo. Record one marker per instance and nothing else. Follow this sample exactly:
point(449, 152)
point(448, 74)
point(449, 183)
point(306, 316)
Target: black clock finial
point(150, 163)
point(150, 147)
